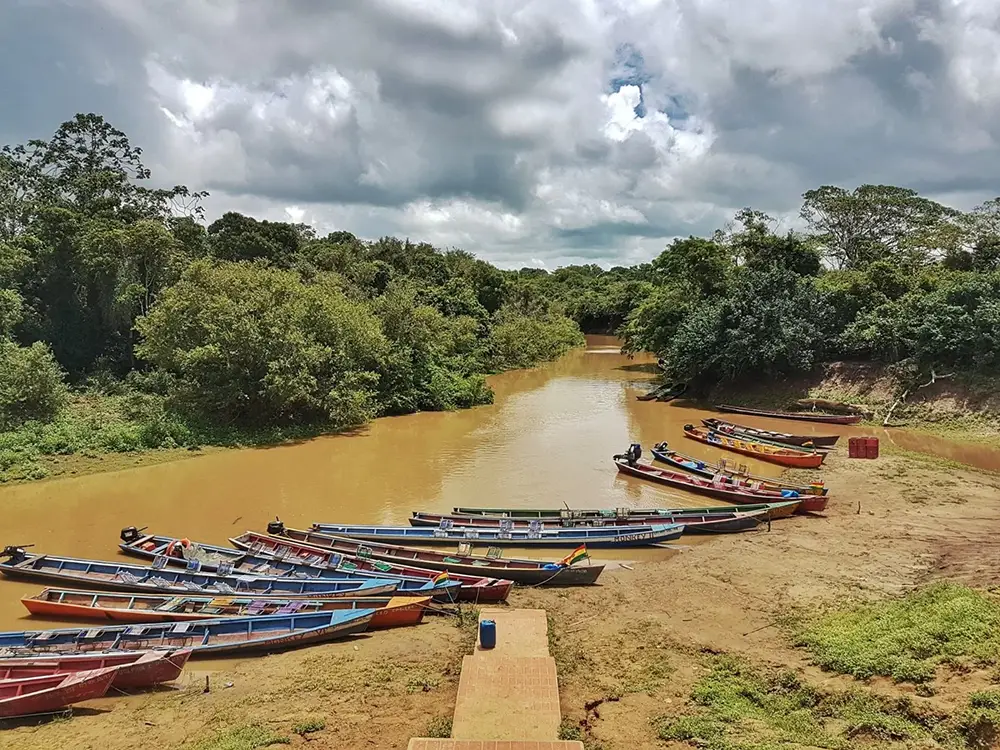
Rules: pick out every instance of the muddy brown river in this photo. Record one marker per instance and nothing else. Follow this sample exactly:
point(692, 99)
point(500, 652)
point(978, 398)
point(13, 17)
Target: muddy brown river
point(547, 440)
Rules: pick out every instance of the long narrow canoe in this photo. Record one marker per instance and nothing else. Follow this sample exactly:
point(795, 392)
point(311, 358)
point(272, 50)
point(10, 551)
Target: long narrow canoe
point(662, 453)
point(719, 489)
point(774, 510)
point(390, 611)
point(135, 669)
point(785, 456)
point(36, 695)
point(784, 438)
point(204, 637)
point(726, 429)
point(525, 572)
point(607, 536)
point(209, 558)
point(694, 523)
point(801, 416)
point(112, 576)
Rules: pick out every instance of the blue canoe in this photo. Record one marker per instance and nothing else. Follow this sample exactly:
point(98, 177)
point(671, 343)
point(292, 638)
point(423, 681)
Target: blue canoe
point(89, 574)
point(205, 637)
point(208, 557)
point(605, 536)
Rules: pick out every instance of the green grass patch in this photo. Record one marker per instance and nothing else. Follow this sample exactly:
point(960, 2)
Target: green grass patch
point(907, 638)
point(309, 726)
point(248, 737)
point(743, 707)
point(439, 728)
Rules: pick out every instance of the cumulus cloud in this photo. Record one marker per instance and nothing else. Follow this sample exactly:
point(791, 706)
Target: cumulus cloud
point(529, 132)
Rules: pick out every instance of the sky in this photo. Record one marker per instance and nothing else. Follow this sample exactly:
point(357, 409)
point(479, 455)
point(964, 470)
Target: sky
point(531, 133)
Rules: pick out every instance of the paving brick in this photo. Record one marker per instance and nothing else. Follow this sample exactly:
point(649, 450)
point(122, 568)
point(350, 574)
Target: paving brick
point(520, 632)
point(418, 743)
point(507, 698)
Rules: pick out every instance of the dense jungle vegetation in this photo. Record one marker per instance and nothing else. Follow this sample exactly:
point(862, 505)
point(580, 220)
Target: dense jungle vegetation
point(127, 322)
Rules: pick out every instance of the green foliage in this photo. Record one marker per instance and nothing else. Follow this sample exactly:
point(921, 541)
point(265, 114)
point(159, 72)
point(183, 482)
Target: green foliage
point(518, 340)
point(907, 639)
point(253, 345)
point(439, 727)
point(309, 726)
point(248, 737)
point(31, 384)
point(702, 264)
point(744, 707)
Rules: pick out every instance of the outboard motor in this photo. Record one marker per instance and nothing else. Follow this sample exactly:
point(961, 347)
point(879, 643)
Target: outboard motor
point(275, 527)
point(15, 552)
point(660, 446)
point(130, 534)
point(634, 453)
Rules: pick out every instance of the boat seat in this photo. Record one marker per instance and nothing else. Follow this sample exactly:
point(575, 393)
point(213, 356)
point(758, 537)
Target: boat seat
point(383, 566)
point(160, 582)
point(224, 568)
point(180, 628)
point(92, 633)
point(290, 609)
point(225, 588)
point(44, 635)
point(256, 607)
point(453, 559)
point(159, 562)
point(256, 547)
point(170, 604)
point(191, 586)
point(136, 630)
point(193, 566)
point(494, 553)
point(348, 565)
point(127, 576)
point(464, 549)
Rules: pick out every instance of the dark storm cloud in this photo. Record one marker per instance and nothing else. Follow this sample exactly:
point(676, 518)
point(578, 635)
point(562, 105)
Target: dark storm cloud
point(573, 129)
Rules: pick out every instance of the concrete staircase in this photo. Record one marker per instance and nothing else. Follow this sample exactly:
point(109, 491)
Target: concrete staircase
point(508, 696)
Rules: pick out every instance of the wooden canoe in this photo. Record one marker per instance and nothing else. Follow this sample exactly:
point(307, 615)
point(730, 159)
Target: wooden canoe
point(209, 557)
point(135, 669)
point(39, 695)
point(662, 453)
point(785, 456)
point(95, 574)
point(694, 523)
point(721, 489)
point(801, 416)
point(783, 438)
point(390, 612)
point(606, 536)
point(525, 572)
point(232, 635)
point(774, 510)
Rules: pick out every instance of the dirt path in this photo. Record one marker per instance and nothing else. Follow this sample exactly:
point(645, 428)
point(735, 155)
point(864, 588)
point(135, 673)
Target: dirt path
point(627, 650)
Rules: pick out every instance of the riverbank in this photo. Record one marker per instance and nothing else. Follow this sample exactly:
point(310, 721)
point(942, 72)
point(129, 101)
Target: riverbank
point(637, 653)
point(963, 408)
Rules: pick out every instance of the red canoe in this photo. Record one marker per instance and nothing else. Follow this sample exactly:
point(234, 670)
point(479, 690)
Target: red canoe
point(726, 489)
point(474, 588)
point(135, 669)
point(39, 695)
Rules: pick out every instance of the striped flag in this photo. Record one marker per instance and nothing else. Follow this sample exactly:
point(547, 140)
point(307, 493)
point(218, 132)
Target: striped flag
point(441, 577)
point(580, 553)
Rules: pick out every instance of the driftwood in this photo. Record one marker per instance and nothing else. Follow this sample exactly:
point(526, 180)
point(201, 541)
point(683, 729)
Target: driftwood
point(902, 397)
point(834, 406)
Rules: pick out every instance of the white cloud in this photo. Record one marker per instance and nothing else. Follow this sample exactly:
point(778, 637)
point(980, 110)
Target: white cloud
point(530, 132)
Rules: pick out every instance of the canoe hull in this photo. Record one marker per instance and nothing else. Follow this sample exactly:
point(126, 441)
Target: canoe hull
point(775, 510)
point(754, 433)
point(797, 416)
point(137, 669)
point(397, 611)
point(690, 465)
point(764, 452)
point(36, 695)
point(696, 523)
point(524, 572)
point(639, 536)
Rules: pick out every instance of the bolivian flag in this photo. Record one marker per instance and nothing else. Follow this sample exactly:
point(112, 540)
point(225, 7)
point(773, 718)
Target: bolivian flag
point(441, 577)
point(580, 553)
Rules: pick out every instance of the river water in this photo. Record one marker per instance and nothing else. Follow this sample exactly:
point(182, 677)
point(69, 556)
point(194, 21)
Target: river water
point(547, 440)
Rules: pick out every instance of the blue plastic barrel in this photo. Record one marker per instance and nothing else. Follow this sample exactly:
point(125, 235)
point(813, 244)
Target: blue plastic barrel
point(487, 634)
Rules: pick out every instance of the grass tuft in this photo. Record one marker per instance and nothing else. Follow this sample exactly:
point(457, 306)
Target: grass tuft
point(439, 728)
point(249, 737)
point(309, 726)
point(906, 639)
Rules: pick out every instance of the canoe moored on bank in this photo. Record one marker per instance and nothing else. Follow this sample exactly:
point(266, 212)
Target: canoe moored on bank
point(38, 695)
point(800, 416)
point(607, 536)
point(785, 456)
point(694, 523)
point(782, 438)
point(71, 572)
point(775, 510)
point(135, 669)
point(521, 571)
point(390, 612)
point(204, 637)
point(212, 558)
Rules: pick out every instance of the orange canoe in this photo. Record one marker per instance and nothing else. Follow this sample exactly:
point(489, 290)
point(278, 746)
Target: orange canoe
point(390, 612)
point(800, 459)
